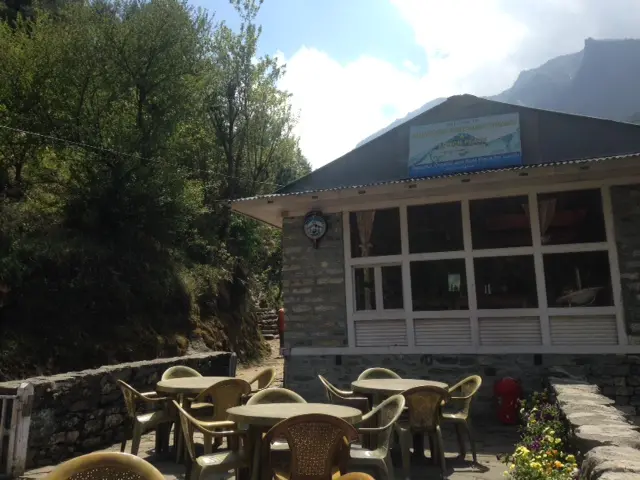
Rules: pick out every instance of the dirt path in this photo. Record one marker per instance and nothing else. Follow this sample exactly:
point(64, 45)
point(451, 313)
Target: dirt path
point(273, 360)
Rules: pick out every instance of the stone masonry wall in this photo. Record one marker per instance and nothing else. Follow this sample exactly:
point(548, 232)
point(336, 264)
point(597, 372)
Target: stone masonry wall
point(604, 436)
point(313, 286)
point(618, 376)
point(79, 412)
point(625, 201)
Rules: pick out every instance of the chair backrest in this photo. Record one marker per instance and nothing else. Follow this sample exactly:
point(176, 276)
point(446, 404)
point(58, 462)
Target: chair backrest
point(331, 391)
point(106, 466)
point(356, 476)
point(385, 415)
point(275, 395)
point(317, 442)
point(131, 397)
point(340, 397)
point(179, 371)
point(264, 378)
point(224, 395)
point(425, 405)
point(377, 373)
point(463, 392)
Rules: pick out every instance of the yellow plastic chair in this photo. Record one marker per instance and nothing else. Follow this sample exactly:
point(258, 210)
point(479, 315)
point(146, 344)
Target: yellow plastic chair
point(180, 371)
point(264, 379)
point(425, 408)
point(457, 411)
point(343, 397)
point(144, 422)
point(221, 396)
point(219, 462)
point(377, 373)
point(378, 424)
point(275, 395)
point(105, 466)
point(319, 447)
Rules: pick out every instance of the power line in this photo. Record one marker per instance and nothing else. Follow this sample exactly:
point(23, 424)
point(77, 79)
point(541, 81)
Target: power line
point(114, 152)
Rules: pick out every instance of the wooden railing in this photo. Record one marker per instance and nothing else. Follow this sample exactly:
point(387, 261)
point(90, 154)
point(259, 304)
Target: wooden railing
point(15, 419)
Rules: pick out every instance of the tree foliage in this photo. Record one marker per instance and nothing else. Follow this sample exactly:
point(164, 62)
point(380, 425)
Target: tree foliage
point(126, 125)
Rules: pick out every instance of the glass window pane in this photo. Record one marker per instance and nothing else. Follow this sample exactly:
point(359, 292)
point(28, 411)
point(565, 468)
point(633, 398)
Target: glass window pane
point(392, 287)
point(439, 285)
point(435, 228)
point(571, 217)
point(578, 279)
point(365, 289)
point(500, 222)
point(505, 282)
point(375, 233)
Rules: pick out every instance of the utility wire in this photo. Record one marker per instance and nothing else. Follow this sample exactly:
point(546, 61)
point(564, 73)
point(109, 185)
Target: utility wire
point(114, 152)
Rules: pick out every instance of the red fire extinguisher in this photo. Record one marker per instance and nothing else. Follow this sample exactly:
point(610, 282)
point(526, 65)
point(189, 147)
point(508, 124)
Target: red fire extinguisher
point(508, 392)
point(281, 326)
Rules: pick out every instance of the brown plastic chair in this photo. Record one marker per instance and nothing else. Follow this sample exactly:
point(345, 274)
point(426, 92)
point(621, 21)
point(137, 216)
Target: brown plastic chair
point(180, 371)
point(343, 397)
point(425, 408)
point(378, 424)
point(146, 421)
point(221, 396)
point(219, 462)
point(105, 466)
point(457, 411)
point(377, 373)
point(264, 379)
point(275, 395)
point(319, 444)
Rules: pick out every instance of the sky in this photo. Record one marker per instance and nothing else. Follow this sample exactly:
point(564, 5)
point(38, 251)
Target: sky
point(354, 66)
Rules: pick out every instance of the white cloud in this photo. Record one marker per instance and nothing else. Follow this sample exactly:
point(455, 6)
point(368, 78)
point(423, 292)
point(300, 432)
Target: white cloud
point(471, 46)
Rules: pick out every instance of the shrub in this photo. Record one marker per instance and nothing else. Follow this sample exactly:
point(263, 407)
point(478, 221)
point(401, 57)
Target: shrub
point(542, 452)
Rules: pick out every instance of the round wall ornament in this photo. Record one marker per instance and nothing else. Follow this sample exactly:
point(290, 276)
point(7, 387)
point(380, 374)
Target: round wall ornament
point(315, 226)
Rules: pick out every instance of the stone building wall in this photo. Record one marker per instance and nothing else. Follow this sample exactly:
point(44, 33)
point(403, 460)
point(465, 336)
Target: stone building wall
point(79, 412)
point(313, 286)
point(625, 201)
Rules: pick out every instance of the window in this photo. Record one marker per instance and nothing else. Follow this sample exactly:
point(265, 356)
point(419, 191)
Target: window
point(375, 233)
point(470, 273)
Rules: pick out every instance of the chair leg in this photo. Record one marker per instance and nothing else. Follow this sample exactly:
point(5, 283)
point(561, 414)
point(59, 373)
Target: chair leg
point(461, 442)
point(405, 445)
point(389, 467)
point(123, 445)
point(472, 442)
point(135, 440)
point(440, 442)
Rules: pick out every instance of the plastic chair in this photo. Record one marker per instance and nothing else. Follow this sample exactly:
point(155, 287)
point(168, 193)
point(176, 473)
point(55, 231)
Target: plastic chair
point(180, 371)
point(377, 373)
point(264, 379)
point(105, 466)
point(425, 407)
point(457, 411)
point(344, 397)
point(356, 476)
point(385, 415)
point(221, 396)
point(275, 395)
point(147, 421)
point(318, 443)
point(235, 458)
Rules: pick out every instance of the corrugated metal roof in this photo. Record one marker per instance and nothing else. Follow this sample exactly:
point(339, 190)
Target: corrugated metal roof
point(452, 175)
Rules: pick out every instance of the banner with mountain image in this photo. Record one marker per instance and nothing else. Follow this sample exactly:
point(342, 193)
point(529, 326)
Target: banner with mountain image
point(465, 145)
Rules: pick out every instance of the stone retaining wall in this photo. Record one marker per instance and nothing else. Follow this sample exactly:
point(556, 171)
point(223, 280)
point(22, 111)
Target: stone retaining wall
point(604, 435)
point(79, 412)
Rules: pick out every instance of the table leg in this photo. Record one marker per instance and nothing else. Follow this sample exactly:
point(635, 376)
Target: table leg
point(255, 446)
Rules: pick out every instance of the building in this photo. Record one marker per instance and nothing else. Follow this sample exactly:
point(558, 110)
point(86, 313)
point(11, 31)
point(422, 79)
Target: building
point(478, 237)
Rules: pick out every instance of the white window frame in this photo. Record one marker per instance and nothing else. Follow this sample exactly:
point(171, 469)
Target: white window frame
point(537, 250)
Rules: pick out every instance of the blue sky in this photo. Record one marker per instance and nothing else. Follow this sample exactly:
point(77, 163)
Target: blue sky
point(354, 66)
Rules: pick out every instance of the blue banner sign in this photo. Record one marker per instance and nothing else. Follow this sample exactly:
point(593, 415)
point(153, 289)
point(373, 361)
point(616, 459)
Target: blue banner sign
point(465, 145)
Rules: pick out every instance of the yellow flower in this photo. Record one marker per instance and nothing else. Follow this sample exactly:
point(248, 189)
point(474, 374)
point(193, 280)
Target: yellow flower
point(532, 421)
point(512, 467)
point(552, 433)
point(558, 464)
point(571, 459)
point(557, 440)
point(535, 465)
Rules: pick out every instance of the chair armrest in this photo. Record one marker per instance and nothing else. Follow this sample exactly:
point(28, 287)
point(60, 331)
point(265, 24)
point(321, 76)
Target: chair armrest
point(217, 424)
point(154, 399)
point(150, 394)
point(370, 430)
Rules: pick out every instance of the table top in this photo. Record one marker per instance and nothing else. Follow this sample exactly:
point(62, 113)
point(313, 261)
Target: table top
point(269, 414)
point(193, 385)
point(391, 386)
